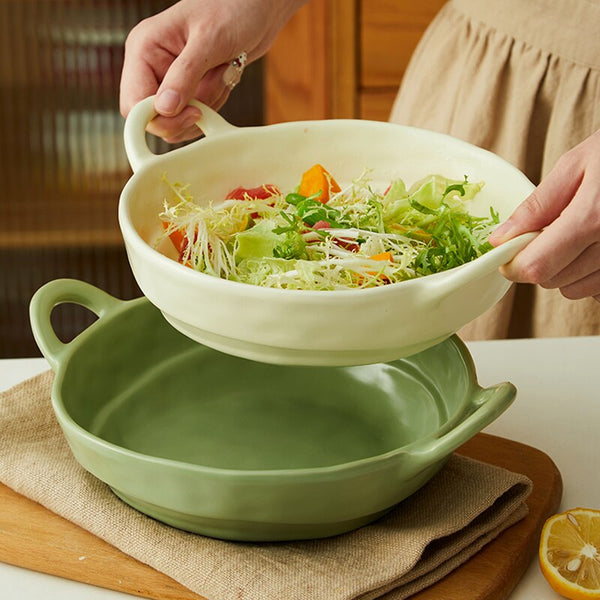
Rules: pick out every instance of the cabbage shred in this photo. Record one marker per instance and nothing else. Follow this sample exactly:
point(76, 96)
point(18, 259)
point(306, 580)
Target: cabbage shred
point(360, 238)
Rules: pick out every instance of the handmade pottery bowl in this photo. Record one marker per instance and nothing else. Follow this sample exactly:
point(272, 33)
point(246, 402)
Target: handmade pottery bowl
point(244, 450)
point(310, 327)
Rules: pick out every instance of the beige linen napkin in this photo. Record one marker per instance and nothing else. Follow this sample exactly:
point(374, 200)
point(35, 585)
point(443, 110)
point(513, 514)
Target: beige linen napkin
point(462, 508)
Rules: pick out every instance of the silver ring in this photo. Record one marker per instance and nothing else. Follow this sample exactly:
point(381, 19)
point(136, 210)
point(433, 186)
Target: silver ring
point(234, 70)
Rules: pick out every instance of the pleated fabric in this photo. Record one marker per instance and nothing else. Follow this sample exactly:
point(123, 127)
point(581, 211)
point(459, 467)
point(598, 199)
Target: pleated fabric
point(522, 79)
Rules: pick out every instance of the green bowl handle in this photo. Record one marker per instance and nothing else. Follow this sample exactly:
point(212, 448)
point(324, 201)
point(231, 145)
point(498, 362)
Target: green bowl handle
point(488, 404)
point(58, 292)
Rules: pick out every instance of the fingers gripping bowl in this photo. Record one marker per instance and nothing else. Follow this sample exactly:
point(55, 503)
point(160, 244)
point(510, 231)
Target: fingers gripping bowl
point(299, 326)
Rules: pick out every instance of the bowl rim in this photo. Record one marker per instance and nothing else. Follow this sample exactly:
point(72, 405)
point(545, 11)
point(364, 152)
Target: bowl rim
point(76, 432)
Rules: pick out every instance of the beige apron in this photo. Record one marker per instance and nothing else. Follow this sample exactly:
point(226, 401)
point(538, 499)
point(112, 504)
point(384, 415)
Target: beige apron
point(522, 79)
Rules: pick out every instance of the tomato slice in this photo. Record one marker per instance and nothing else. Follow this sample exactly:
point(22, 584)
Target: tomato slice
point(178, 237)
point(262, 192)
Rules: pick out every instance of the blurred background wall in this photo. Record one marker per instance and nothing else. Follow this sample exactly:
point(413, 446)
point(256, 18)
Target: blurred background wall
point(62, 162)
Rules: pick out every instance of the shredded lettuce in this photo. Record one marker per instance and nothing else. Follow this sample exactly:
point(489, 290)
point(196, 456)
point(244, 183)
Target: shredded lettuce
point(359, 238)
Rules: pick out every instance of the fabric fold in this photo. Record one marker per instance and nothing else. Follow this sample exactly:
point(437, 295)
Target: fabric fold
point(521, 79)
point(467, 504)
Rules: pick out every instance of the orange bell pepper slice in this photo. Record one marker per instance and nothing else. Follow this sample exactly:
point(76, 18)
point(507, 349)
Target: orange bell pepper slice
point(318, 183)
point(383, 256)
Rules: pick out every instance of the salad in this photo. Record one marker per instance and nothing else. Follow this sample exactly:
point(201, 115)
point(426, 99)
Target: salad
point(320, 236)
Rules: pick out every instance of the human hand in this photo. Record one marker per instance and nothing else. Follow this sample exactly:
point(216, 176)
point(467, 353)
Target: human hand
point(183, 52)
point(566, 205)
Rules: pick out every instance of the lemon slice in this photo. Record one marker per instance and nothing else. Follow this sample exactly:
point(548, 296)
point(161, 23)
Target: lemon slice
point(569, 553)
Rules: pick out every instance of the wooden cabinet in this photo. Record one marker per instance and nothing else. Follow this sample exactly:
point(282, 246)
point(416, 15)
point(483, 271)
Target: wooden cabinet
point(343, 58)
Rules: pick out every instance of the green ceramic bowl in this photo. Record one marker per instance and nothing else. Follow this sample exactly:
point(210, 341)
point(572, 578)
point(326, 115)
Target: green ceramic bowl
point(242, 450)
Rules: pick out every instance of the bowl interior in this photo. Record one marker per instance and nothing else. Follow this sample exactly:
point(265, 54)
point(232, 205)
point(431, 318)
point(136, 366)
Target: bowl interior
point(280, 153)
point(159, 394)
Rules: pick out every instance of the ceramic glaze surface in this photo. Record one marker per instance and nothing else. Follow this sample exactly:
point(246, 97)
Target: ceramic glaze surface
point(243, 450)
point(272, 417)
point(299, 327)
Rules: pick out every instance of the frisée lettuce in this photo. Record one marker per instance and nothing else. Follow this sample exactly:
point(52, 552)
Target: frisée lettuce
point(322, 237)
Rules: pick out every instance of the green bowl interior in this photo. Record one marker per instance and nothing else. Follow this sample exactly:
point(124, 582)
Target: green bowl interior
point(134, 381)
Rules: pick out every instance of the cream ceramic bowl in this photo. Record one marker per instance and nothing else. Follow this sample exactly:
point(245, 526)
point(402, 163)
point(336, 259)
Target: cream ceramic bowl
point(308, 327)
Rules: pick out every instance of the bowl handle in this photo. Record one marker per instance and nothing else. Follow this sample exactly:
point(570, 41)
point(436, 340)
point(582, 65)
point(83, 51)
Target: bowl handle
point(136, 147)
point(484, 265)
point(58, 292)
point(488, 404)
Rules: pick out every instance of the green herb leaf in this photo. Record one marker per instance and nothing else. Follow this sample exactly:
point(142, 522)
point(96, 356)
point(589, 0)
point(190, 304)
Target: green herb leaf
point(312, 211)
point(458, 187)
point(293, 224)
point(495, 215)
point(423, 209)
point(292, 247)
point(294, 198)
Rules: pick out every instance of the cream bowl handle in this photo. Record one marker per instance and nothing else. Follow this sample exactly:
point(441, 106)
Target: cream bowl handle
point(471, 271)
point(136, 146)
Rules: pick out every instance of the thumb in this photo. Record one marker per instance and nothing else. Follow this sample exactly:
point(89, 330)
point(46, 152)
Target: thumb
point(181, 80)
point(542, 206)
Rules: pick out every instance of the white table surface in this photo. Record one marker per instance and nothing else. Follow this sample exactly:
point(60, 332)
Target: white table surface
point(557, 410)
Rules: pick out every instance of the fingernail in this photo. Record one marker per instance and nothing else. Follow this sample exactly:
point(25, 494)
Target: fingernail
point(167, 102)
point(502, 232)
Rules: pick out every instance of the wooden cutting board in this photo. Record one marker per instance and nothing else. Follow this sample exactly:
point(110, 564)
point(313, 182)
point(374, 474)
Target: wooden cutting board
point(35, 538)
